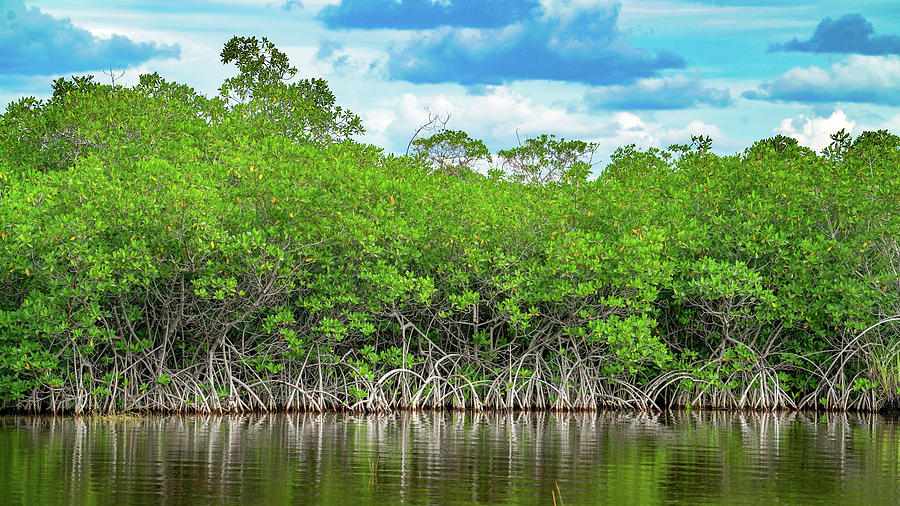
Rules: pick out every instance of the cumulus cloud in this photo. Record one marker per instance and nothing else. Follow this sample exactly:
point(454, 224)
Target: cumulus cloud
point(677, 92)
point(851, 33)
point(629, 128)
point(569, 42)
point(423, 14)
point(35, 43)
point(497, 115)
point(857, 78)
point(815, 132)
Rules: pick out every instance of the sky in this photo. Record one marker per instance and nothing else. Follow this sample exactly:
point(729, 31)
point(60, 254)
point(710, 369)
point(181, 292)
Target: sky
point(643, 72)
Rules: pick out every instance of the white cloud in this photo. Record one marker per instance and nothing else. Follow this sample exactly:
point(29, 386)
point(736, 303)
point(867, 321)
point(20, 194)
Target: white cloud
point(857, 78)
point(499, 113)
point(815, 132)
point(493, 116)
point(671, 92)
point(567, 9)
point(628, 128)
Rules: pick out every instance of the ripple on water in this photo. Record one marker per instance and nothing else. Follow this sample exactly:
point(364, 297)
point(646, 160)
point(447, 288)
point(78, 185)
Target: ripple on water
point(454, 458)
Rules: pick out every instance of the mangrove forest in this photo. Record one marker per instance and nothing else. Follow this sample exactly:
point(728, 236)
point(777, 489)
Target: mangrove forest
point(167, 251)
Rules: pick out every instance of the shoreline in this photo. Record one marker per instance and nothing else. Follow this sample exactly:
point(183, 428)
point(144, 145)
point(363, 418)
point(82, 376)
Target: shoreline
point(889, 411)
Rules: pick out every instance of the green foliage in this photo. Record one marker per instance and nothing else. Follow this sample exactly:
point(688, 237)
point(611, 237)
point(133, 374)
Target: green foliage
point(546, 158)
point(303, 111)
point(164, 250)
point(452, 152)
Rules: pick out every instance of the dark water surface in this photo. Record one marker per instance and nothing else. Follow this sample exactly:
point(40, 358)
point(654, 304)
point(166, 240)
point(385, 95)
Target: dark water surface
point(453, 458)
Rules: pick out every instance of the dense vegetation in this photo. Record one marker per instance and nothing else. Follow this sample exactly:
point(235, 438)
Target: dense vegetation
point(165, 250)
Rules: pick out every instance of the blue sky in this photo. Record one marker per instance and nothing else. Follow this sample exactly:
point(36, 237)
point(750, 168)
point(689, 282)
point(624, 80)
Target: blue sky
point(647, 72)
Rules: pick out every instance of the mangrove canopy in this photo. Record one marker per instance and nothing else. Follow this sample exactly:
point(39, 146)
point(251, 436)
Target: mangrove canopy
point(162, 250)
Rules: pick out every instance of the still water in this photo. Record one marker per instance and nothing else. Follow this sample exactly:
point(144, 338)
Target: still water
point(453, 458)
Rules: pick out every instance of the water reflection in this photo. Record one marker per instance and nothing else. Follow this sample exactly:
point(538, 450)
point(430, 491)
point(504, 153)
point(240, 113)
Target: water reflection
point(453, 458)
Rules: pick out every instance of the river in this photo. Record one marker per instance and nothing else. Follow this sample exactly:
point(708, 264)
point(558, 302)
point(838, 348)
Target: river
point(453, 458)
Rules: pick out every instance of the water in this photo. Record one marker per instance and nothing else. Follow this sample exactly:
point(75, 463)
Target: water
point(453, 458)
